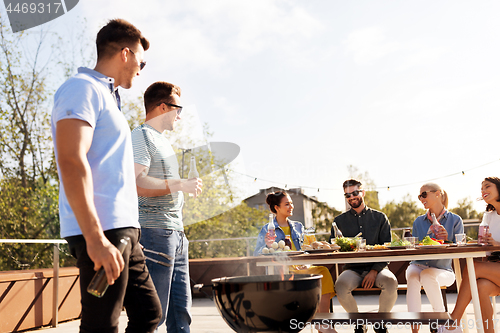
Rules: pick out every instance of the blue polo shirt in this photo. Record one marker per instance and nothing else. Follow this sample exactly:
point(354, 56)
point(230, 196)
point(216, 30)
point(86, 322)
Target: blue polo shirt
point(89, 96)
point(453, 225)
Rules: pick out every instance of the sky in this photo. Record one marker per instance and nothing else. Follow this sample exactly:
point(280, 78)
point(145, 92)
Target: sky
point(404, 90)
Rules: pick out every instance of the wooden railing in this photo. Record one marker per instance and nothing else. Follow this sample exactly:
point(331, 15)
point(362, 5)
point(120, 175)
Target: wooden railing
point(27, 298)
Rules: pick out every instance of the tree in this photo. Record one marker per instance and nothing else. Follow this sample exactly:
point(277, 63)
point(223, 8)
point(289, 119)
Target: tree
point(368, 182)
point(28, 177)
point(402, 214)
point(240, 221)
point(323, 216)
point(466, 209)
point(25, 142)
point(217, 212)
point(371, 196)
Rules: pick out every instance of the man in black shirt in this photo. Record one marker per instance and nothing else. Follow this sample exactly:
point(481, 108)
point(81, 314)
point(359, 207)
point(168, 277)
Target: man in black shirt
point(376, 230)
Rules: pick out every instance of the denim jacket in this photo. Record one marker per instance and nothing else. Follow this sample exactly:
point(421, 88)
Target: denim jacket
point(296, 231)
point(453, 225)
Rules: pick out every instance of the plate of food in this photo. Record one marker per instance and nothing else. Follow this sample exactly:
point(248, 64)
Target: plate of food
point(282, 253)
point(397, 247)
point(321, 245)
point(331, 249)
point(423, 246)
point(346, 244)
point(428, 242)
point(376, 247)
point(397, 244)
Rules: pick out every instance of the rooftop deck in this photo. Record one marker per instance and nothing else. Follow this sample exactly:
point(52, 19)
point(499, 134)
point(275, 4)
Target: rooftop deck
point(206, 318)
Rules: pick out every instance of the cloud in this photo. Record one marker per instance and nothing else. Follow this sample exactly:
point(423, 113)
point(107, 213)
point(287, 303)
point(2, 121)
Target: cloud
point(421, 54)
point(191, 36)
point(231, 114)
point(369, 44)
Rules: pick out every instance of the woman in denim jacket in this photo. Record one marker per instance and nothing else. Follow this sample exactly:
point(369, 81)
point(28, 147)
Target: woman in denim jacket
point(281, 205)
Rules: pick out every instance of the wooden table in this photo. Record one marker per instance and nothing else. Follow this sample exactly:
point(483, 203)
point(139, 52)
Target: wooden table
point(434, 253)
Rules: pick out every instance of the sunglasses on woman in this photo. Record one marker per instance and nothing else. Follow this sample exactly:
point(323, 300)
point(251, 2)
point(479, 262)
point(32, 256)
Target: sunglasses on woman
point(424, 194)
point(353, 193)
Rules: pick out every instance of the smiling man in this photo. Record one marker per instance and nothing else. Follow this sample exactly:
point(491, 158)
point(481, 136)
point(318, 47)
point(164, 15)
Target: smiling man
point(161, 199)
point(376, 230)
point(97, 198)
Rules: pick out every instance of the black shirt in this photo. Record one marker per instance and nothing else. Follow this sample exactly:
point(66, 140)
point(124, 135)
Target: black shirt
point(375, 227)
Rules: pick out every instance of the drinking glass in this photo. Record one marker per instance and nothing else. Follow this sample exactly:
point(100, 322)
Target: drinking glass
point(309, 238)
point(412, 241)
point(460, 239)
point(361, 245)
point(483, 231)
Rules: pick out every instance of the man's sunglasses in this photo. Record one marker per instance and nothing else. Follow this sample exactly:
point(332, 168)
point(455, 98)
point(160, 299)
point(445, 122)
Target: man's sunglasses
point(353, 193)
point(179, 108)
point(142, 64)
point(424, 194)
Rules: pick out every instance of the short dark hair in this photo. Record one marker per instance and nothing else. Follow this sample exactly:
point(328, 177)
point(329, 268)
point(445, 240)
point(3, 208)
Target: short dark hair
point(351, 182)
point(159, 92)
point(117, 34)
point(274, 199)
point(496, 181)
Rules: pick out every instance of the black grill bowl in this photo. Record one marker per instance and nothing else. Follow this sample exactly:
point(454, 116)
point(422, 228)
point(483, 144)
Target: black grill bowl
point(267, 303)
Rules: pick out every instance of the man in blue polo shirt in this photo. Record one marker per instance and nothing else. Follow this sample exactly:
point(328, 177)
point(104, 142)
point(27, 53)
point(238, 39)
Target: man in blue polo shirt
point(98, 199)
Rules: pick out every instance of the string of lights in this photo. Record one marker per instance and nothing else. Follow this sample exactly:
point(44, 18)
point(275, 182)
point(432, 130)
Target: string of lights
point(388, 187)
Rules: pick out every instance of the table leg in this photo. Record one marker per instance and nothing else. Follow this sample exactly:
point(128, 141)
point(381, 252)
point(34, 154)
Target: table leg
point(475, 295)
point(458, 278)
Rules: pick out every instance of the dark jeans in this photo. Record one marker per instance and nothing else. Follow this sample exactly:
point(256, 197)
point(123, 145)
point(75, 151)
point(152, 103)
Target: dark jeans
point(134, 288)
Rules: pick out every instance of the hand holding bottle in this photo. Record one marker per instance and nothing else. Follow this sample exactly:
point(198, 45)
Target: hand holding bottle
point(102, 278)
point(484, 229)
point(271, 231)
point(193, 186)
point(194, 181)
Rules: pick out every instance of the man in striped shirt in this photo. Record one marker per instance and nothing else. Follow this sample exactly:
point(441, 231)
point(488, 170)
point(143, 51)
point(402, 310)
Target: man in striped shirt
point(161, 198)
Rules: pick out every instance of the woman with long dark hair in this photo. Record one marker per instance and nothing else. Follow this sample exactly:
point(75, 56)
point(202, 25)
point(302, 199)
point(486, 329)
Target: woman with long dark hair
point(281, 205)
point(487, 272)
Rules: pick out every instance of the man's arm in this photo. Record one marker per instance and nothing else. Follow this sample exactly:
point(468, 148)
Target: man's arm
point(73, 140)
point(384, 236)
point(153, 187)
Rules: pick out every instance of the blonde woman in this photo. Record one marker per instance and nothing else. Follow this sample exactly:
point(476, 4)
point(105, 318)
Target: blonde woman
point(432, 274)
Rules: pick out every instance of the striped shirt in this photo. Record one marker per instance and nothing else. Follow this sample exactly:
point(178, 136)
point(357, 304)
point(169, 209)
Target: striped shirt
point(153, 150)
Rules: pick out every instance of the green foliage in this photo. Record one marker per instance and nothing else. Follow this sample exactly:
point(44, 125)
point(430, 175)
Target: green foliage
point(240, 221)
point(371, 199)
point(215, 213)
point(28, 213)
point(465, 209)
point(31, 68)
point(323, 216)
point(364, 178)
point(402, 214)
point(371, 196)
point(25, 141)
point(133, 111)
